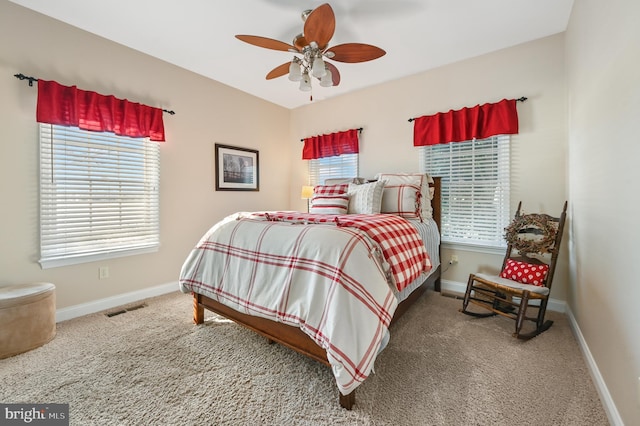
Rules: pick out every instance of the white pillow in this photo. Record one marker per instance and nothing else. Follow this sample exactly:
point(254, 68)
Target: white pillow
point(329, 204)
point(420, 179)
point(402, 200)
point(365, 198)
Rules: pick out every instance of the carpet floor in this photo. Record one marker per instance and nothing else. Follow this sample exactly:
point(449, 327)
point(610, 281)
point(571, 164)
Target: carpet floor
point(153, 366)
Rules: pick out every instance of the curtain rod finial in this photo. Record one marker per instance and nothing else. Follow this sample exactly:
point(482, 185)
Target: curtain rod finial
point(24, 77)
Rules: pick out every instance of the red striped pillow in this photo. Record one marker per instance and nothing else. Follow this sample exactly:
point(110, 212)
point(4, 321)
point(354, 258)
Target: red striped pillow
point(338, 189)
point(329, 204)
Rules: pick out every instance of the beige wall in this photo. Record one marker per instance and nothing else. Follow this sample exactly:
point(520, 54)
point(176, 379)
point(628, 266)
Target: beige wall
point(535, 70)
point(603, 71)
point(206, 112)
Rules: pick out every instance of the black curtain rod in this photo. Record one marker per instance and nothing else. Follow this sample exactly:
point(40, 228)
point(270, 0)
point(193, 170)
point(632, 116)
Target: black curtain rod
point(521, 99)
point(359, 129)
point(32, 79)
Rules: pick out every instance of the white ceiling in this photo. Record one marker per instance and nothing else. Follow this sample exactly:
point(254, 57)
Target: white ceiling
point(417, 35)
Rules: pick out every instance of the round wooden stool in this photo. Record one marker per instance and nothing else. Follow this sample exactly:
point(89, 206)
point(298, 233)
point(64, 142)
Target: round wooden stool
point(27, 317)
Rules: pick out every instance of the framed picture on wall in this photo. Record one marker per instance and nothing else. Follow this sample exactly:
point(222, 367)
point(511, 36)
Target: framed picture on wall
point(237, 169)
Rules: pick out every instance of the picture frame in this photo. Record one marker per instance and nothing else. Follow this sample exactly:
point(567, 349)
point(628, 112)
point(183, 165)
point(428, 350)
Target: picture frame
point(236, 168)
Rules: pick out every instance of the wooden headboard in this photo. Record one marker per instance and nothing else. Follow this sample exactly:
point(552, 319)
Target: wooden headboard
point(436, 203)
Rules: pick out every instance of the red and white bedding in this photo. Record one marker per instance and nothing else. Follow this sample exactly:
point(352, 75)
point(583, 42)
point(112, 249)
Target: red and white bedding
point(401, 244)
point(333, 277)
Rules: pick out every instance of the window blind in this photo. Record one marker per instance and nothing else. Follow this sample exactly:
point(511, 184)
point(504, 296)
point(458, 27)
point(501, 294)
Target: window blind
point(99, 195)
point(340, 166)
point(475, 189)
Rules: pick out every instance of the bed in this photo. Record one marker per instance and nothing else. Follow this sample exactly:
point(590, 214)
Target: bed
point(326, 285)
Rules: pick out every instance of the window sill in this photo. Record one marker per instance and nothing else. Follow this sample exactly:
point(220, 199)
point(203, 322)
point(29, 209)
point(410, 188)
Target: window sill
point(75, 260)
point(478, 248)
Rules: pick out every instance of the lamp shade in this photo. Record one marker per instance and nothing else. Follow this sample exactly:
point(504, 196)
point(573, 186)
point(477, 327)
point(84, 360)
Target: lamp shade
point(294, 71)
point(307, 192)
point(317, 69)
point(327, 79)
point(305, 82)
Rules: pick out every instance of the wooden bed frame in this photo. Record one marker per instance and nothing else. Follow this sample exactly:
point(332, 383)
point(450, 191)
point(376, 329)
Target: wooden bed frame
point(293, 337)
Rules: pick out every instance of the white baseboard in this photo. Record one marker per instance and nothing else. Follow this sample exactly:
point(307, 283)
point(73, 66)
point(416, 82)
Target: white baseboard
point(114, 301)
point(460, 288)
point(609, 406)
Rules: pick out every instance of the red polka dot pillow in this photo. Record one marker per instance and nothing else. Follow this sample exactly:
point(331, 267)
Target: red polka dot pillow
point(525, 273)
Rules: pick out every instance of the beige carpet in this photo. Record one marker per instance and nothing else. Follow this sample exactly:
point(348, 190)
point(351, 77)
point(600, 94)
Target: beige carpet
point(153, 366)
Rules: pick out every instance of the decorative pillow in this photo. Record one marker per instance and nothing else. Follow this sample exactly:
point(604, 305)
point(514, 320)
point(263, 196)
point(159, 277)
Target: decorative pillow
point(420, 179)
point(525, 273)
point(329, 204)
point(331, 189)
point(365, 198)
point(401, 200)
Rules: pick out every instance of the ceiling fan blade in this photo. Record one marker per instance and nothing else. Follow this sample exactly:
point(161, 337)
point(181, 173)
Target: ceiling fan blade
point(320, 25)
point(335, 74)
point(279, 71)
point(267, 43)
point(355, 52)
point(300, 42)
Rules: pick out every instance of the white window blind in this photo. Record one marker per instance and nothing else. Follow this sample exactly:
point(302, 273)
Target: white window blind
point(340, 166)
point(475, 189)
point(99, 195)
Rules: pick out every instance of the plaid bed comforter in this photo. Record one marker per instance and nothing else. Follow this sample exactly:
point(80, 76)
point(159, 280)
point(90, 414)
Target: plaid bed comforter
point(328, 278)
point(401, 245)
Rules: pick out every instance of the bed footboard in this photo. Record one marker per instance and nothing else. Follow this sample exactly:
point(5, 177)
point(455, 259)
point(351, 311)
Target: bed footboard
point(284, 334)
point(290, 336)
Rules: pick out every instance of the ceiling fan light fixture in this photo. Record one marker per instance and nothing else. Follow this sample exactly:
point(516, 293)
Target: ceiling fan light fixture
point(327, 79)
point(318, 69)
point(294, 70)
point(305, 82)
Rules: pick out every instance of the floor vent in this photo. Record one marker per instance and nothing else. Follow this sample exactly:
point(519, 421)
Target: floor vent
point(123, 310)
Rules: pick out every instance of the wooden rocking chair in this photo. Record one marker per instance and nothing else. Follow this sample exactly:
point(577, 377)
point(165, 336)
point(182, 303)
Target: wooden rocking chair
point(527, 273)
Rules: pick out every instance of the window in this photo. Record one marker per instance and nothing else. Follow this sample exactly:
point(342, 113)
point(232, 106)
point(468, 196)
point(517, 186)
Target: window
point(475, 189)
point(340, 166)
point(99, 195)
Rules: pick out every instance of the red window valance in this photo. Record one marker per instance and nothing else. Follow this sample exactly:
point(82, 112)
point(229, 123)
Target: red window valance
point(70, 106)
point(331, 145)
point(478, 122)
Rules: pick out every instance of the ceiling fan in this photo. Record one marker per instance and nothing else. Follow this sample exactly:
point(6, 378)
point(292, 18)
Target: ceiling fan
point(313, 46)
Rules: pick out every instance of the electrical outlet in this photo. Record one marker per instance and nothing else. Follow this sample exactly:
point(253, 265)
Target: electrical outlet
point(454, 259)
point(103, 272)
